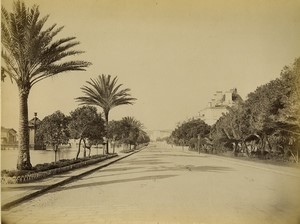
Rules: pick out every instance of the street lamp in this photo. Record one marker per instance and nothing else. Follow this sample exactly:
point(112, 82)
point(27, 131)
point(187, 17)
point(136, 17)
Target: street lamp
point(104, 144)
point(34, 136)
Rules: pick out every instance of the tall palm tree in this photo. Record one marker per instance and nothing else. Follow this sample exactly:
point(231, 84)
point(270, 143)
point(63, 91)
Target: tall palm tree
point(30, 55)
point(105, 93)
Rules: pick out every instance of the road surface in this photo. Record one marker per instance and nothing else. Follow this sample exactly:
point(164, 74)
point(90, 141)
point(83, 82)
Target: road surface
point(161, 184)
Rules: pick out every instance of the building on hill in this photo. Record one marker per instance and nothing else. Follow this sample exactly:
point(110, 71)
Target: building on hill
point(218, 105)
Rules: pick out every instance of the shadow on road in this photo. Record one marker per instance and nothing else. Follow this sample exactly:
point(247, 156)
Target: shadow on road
point(145, 162)
point(119, 169)
point(183, 155)
point(110, 175)
point(188, 154)
point(192, 168)
point(101, 183)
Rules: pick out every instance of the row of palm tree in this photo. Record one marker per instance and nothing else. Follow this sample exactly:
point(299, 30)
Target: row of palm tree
point(30, 54)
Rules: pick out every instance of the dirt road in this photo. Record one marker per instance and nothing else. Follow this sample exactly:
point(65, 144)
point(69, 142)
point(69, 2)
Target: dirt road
point(161, 184)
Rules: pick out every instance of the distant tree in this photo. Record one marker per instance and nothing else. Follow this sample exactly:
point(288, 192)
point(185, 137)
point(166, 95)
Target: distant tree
point(53, 130)
point(189, 129)
point(86, 124)
point(114, 130)
point(132, 131)
point(143, 138)
point(30, 55)
point(105, 93)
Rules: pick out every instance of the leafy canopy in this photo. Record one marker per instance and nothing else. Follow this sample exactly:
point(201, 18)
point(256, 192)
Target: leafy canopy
point(54, 129)
point(85, 122)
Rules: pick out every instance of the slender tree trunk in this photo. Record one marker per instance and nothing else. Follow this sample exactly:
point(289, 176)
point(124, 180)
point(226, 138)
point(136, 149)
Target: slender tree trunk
point(84, 149)
point(90, 151)
point(106, 128)
point(24, 155)
point(78, 148)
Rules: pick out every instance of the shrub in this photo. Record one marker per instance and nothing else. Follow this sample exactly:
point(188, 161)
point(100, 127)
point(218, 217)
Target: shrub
point(46, 166)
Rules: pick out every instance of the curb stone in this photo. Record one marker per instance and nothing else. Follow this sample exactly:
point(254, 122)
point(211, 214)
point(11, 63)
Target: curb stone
point(28, 178)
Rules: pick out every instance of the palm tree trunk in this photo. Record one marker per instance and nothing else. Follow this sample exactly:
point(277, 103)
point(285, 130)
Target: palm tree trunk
point(24, 155)
point(106, 128)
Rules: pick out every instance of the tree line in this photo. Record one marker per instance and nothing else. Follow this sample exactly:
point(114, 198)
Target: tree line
point(265, 125)
point(88, 126)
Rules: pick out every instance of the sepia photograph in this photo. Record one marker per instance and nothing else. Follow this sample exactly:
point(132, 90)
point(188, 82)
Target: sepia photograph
point(150, 111)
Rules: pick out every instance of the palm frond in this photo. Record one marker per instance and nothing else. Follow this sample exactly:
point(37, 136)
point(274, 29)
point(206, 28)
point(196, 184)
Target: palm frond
point(31, 54)
point(52, 70)
point(105, 93)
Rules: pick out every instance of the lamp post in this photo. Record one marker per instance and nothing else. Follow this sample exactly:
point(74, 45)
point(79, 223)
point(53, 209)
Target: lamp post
point(34, 133)
point(104, 144)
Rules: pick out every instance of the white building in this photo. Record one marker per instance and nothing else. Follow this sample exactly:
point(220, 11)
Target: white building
point(218, 105)
point(156, 134)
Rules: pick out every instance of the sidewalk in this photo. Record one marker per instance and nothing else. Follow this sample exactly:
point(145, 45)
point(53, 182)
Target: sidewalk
point(14, 194)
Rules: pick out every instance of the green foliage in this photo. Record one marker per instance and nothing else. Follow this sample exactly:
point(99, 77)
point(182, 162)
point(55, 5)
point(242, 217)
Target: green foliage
point(271, 111)
point(128, 130)
point(188, 130)
point(54, 129)
point(289, 114)
point(115, 130)
point(85, 122)
point(131, 128)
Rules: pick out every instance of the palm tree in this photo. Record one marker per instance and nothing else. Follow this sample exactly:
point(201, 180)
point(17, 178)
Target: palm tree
point(133, 123)
point(105, 93)
point(30, 55)
point(133, 130)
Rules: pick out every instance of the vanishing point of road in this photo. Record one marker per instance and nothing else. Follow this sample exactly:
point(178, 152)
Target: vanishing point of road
point(161, 184)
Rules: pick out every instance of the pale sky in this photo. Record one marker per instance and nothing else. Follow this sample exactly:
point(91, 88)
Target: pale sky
point(173, 55)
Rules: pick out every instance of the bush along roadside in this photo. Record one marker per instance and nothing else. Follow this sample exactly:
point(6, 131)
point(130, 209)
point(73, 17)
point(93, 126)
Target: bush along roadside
point(41, 171)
